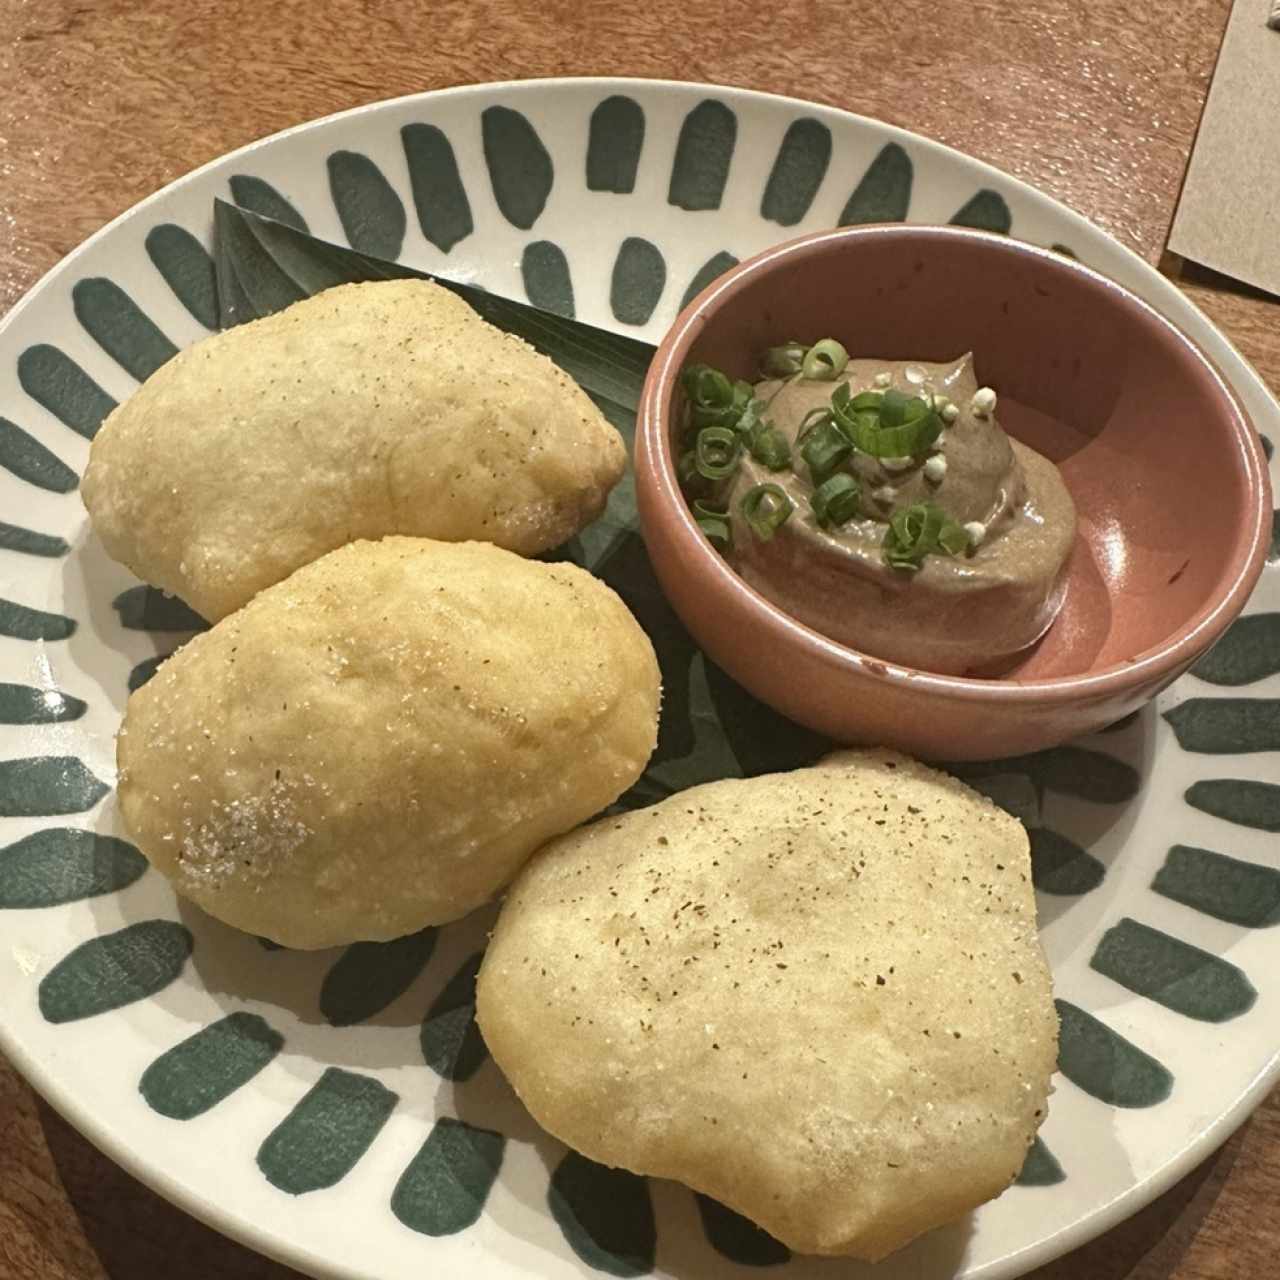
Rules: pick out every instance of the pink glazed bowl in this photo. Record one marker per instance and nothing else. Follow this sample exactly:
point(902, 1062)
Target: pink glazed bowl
point(1167, 474)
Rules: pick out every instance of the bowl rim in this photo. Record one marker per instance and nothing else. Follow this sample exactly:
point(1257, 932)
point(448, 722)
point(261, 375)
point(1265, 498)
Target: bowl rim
point(1167, 658)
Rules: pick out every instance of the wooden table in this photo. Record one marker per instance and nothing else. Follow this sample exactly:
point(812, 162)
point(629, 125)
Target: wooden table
point(1093, 101)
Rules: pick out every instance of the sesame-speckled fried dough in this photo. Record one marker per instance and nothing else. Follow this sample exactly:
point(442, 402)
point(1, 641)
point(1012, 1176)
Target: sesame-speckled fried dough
point(818, 996)
point(367, 410)
point(380, 741)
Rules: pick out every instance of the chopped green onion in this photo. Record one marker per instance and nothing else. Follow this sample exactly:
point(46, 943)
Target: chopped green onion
point(810, 421)
point(824, 449)
point(714, 401)
point(893, 408)
point(953, 538)
point(687, 472)
point(707, 389)
point(919, 531)
point(865, 400)
point(765, 508)
point(717, 452)
point(769, 446)
point(824, 361)
point(903, 427)
point(709, 510)
point(783, 361)
point(836, 500)
point(747, 425)
point(717, 532)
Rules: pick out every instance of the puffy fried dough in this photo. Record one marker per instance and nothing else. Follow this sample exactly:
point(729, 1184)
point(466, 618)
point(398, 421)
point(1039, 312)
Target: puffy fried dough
point(378, 742)
point(370, 409)
point(818, 996)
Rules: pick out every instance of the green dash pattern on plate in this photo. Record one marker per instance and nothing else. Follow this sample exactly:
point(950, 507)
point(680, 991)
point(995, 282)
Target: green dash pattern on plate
point(1041, 1167)
point(368, 976)
point(797, 173)
point(259, 196)
point(1229, 889)
point(444, 1187)
point(54, 381)
point(322, 1139)
point(25, 457)
point(28, 542)
point(520, 167)
point(24, 623)
point(1060, 866)
point(371, 213)
point(544, 269)
point(738, 1238)
point(452, 1045)
point(149, 609)
point(187, 269)
point(712, 269)
point(64, 864)
point(23, 704)
point(444, 212)
point(1249, 650)
point(145, 670)
point(883, 193)
point(704, 152)
point(114, 970)
point(197, 1074)
point(1173, 973)
point(47, 786)
point(986, 210)
point(639, 277)
point(1103, 1063)
point(1226, 726)
point(1073, 771)
point(606, 1215)
point(120, 327)
point(1238, 800)
point(614, 144)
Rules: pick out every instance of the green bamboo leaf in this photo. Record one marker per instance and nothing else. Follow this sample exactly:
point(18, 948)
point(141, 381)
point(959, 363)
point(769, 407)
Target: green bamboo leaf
point(263, 266)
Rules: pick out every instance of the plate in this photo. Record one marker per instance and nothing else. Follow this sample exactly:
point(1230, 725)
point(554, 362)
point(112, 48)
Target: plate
point(337, 1109)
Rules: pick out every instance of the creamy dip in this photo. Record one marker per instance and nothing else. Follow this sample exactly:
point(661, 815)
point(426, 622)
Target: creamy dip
point(956, 612)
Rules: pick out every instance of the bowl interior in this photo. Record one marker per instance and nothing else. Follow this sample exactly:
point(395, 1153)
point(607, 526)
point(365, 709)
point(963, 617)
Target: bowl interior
point(1152, 446)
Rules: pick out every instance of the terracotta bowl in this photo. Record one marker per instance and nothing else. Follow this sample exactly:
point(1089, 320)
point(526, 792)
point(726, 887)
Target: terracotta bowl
point(1165, 469)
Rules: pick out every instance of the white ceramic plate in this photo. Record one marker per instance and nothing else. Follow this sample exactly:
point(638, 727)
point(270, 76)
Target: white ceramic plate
point(310, 1104)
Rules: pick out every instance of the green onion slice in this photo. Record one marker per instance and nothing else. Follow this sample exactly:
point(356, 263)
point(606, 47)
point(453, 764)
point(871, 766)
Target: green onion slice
point(687, 472)
point(919, 531)
point(784, 361)
point(770, 447)
point(717, 532)
point(709, 510)
point(901, 427)
point(810, 421)
point(706, 388)
point(717, 452)
point(824, 449)
point(714, 400)
point(750, 421)
point(765, 508)
point(825, 361)
point(836, 500)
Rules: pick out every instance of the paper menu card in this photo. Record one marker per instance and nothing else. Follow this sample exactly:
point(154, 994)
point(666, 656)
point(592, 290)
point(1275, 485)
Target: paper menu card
point(1228, 217)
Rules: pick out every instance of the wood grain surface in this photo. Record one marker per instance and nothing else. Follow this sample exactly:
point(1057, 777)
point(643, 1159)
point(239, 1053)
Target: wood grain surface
point(1093, 101)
